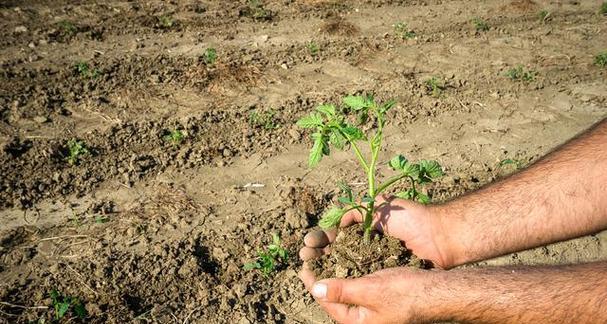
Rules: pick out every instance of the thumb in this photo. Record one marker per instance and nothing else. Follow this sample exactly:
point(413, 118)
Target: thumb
point(343, 291)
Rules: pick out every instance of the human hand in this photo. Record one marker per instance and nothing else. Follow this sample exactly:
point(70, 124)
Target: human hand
point(395, 295)
point(417, 225)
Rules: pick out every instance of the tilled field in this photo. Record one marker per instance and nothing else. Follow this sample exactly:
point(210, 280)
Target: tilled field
point(148, 229)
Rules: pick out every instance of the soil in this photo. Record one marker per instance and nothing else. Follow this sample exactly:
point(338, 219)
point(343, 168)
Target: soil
point(351, 257)
point(143, 229)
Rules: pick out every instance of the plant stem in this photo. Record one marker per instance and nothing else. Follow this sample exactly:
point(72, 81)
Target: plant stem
point(388, 183)
point(368, 222)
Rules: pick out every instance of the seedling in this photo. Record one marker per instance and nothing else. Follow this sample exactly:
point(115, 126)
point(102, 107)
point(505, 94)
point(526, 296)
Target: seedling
point(62, 305)
point(519, 73)
point(68, 27)
point(267, 261)
point(516, 163)
point(166, 22)
point(601, 59)
point(209, 56)
point(544, 16)
point(76, 151)
point(257, 11)
point(480, 25)
point(265, 119)
point(313, 48)
point(86, 71)
point(435, 86)
point(175, 137)
point(332, 127)
point(403, 31)
point(603, 9)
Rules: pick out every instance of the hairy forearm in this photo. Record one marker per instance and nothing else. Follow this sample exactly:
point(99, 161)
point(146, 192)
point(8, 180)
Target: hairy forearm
point(564, 195)
point(557, 294)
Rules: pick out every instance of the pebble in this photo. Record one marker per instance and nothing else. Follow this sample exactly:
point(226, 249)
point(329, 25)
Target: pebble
point(40, 119)
point(20, 29)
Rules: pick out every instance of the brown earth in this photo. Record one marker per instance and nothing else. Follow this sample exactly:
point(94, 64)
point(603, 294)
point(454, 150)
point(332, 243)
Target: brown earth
point(145, 230)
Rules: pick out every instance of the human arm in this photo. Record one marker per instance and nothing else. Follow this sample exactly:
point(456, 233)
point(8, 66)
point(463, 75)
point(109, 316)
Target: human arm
point(547, 294)
point(562, 196)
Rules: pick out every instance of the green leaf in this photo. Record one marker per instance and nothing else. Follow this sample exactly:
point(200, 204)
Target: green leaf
point(376, 141)
point(411, 170)
point(367, 199)
point(319, 149)
point(276, 239)
point(251, 266)
point(407, 194)
point(353, 133)
point(345, 189)
point(310, 121)
point(387, 106)
point(398, 162)
point(358, 102)
point(431, 168)
point(79, 309)
point(362, 117)
point(337, 139)
point(331, 218)
point(62, 309)
point(423, 198)
point(345, 200)
point(328, 110)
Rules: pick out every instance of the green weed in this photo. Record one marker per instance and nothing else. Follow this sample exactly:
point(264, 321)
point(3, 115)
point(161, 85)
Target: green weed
point(332, 128)
point(257, 11)
point(68, 27)
point(209, 56)
point(519, 73)
point(268, 261)
point(62, 304)
point(480, 25)
point(601, 59)
point(76, 151)
point(166, 22)
point(264, 119)
point(544, 16)
point(175, 137)
point(313, 48)
point(403, 31)
point(85, 71)
point(435, 86)
point(603, 9)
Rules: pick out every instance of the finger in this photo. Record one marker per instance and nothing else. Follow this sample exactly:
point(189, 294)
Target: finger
point(308, 253)
point(340, 312)
point(351, 217)
point(319, 239)
point(343, 291)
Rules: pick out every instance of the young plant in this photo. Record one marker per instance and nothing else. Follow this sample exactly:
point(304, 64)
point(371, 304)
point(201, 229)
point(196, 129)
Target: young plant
point(519, 73)
point(313, 48)
point(601, 59)
point(85, 71)
point(332, 128)
point(603, 9)
point(402, 31)
point(435, 86)
point(175, 137)
point(265, 119)
point(62, 305)
point(267, 261)
point(209, 56)
point(76, 151)
point(257, 11)
point(544, 16)
point(480, 25)
point(165, 22)
point(68, 27)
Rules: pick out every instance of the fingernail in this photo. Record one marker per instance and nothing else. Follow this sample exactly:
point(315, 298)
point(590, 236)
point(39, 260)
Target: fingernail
point(319, 290)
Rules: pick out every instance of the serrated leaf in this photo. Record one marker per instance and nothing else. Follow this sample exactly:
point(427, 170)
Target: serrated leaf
point(331, 218)
point(398, 162)
point(328, 110)
point(337, 139)
point(411, 170)
point(311, 121)
point(62, 309)
point(407, 194)
point(353, 133)
point(358, 102)
point(317, 150)
point(431, 168)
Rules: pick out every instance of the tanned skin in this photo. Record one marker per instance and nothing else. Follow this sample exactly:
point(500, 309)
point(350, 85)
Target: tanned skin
point(562, 196)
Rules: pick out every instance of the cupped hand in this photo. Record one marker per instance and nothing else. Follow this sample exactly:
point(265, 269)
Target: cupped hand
point(418, 226)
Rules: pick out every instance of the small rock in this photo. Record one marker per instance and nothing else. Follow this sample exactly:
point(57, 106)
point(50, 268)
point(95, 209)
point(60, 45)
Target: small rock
point(284, 66)
point(31, 45)
point(20, 29)
point(40, 119)
point(227, 153)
